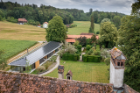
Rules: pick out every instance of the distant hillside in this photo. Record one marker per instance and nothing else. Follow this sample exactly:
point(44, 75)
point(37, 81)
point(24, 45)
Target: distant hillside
point(35, 15)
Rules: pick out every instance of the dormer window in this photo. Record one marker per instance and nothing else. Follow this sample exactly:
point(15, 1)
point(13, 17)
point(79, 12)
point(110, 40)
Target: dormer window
point(118, 63)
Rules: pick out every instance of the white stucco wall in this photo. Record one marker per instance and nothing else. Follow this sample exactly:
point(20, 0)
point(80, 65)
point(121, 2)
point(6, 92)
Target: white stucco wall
point(116, 76)
point(45, 25)
point(60, 76)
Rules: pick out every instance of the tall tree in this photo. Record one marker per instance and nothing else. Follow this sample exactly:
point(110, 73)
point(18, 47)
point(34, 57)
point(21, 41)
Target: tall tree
point(91, 29)
point(108, 34)
point(56, 30)
point(90, 11)
point(129, 42)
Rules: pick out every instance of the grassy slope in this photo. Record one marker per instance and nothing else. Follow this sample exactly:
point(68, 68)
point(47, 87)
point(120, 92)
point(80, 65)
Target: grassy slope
point(13, 47)
point(82, 27)
point(13, 31)
point(84, 71)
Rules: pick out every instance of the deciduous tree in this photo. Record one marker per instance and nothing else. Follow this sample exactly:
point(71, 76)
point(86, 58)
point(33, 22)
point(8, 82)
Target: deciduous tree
point(56, 30)
point(108, 34)
point(129, 42)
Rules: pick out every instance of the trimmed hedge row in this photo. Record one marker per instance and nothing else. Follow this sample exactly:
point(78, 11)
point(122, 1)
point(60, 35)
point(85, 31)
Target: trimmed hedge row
point(72, 57)
point(91, 58)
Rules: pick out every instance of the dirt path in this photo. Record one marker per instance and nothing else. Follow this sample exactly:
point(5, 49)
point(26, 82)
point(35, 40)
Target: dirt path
point(24, 52)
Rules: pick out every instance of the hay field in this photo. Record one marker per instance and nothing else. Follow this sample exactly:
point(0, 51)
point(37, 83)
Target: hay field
point(13, 31)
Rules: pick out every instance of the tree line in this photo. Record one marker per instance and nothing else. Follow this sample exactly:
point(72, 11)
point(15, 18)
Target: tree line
point(34, 14)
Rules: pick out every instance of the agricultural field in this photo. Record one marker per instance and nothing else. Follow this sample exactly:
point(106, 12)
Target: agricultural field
point(82, 27)
point(13, 31)
point(84, 71)
point(13, 47)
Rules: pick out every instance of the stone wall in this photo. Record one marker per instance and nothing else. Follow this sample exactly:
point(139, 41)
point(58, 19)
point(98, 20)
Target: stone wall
point(25, 83)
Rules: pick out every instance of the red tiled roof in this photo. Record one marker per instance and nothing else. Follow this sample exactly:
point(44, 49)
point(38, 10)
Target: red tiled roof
point(22, 19)
point(115, 52)
point(69, 73)
point(78, 36)
point(128, 89)
point(70, 40)
point(25, 83)
point(45, 23)
point(86, 34)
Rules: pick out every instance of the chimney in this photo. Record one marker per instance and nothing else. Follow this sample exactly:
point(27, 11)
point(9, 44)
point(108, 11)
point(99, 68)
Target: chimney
point(117, 66)
point(69, 75)
point(61, 72)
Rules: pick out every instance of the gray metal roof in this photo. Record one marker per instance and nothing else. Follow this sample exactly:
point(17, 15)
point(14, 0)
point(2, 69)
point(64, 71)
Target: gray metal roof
point(37, 55)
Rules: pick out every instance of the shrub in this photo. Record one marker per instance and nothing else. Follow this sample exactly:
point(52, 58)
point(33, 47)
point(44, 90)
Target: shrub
point(91, 58)
point(98, 53)
point(107, 61)
point(46, 66)
point(88, 47)
point(53, 58)
point(72, 25)
point(40, 68)
point(97, 32)
point(79, 47)
point(90, 51)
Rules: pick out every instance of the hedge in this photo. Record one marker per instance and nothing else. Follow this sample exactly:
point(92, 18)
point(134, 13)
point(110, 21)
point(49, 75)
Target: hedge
point(72, 57)
point(91, 58)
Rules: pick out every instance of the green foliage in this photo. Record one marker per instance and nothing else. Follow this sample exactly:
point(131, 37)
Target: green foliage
point(105, 20)
point(73, 25)
point(88, 41)
point(91, 58)
point(28, 67)
point(108, 34)
point(97, 32)
point(76, 43)
point(3, 61)
point(104, 53)
point(91, 29)
point(93, 38)
point(117, 21)
point(53, 58)
point(12, 19)
point(0, 18)
point(88, 47)
point(13, 47)
point(79, 47)
point(69, 48)
point(90, 51)
point(82, 41)
point(98, 53)
point(129, 43)
point(107, 61)
point(73, 57)
point(40, 69)
point(56, 30)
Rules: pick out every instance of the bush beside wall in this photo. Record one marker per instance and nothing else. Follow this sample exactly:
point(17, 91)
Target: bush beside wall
point(91, 58)
point(72, 57)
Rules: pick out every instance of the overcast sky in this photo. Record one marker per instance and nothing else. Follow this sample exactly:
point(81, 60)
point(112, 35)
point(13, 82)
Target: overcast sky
point(122, 6)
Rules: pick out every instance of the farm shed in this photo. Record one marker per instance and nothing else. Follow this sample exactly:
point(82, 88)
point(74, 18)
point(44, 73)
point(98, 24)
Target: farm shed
point(22, 21)
point(45, 25)
point(35, 58)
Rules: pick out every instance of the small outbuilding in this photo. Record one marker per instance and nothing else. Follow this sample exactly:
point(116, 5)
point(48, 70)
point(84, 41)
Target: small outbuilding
point(21, 21)
point(69, 75)
point(45, 25)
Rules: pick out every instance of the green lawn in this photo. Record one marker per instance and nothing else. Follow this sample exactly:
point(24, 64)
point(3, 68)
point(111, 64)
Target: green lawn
point(13, 47)
point(82, 27)
point(84, 71)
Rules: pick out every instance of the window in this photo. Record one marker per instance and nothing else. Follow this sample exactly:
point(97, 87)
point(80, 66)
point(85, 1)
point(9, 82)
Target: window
point(121, 63)
point(118, 63)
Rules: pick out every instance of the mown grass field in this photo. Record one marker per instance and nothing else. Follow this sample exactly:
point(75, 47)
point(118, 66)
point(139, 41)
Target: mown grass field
point(84, 71)
point(82, 27)
point(13, 31)
point(13, 47)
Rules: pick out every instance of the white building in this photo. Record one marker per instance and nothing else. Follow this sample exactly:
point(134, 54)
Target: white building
point(117, 63)
point(45, 25)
